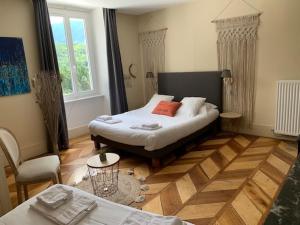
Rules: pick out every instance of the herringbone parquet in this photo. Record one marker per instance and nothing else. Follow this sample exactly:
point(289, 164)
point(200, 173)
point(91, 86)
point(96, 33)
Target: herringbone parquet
point(228, 180)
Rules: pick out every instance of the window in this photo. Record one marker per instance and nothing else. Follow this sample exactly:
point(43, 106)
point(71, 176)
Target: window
point(72, 48)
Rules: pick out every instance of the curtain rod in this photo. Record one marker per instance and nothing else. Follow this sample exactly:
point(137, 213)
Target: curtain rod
point(149, 31)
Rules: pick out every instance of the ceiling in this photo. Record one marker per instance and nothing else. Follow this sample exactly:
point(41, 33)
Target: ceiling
point(135, 7)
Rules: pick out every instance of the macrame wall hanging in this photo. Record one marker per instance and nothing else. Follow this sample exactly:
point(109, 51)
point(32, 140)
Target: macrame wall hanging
point(236, 46)
point(152, 45)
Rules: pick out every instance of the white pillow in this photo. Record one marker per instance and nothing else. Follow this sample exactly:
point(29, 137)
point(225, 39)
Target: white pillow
point(210, 106)
point(206, 107)
point(156, 98)
point(203, 109)
point(190, 106)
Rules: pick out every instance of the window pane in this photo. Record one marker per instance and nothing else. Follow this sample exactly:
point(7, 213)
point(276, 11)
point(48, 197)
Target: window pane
point(59, 34)
point(81, 55)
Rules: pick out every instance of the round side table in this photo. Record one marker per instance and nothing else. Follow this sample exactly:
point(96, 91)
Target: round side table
point(104, 175)
point(232, 117)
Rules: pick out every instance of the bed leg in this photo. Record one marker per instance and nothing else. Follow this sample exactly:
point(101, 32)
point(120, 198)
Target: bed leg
point(218, 125)
point(97, 145)
point(156, 163)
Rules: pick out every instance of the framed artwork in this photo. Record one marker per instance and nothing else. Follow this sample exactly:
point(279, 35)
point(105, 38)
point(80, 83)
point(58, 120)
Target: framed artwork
point(13, 69)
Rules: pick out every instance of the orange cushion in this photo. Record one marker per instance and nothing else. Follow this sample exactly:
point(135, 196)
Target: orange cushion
point(166, 108)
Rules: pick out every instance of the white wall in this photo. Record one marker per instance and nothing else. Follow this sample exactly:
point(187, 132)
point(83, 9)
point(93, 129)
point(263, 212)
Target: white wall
point(20, 113)
point(130, 53)
point(191, 45)
point(79, 113)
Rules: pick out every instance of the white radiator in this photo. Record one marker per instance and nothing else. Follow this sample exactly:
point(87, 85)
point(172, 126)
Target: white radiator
point(287, 119)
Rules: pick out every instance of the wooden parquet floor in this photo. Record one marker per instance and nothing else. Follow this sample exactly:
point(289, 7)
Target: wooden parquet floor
point(231, 179)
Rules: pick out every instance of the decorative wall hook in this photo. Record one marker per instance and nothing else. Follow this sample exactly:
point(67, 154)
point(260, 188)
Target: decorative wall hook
point(131, 73)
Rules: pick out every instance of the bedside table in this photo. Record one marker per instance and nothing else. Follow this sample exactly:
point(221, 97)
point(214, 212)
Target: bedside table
point(232, 117)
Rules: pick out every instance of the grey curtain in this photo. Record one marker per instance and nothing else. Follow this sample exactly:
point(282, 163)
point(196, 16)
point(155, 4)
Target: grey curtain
point(49, 61)
point(118, 100)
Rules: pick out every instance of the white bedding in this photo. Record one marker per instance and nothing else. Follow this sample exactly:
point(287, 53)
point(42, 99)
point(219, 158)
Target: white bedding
point(173, 128)
point(107, 213)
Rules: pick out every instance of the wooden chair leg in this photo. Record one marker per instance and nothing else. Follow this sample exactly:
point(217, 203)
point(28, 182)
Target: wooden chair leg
point(25, 191)
point(19, 193)
point(59, 177)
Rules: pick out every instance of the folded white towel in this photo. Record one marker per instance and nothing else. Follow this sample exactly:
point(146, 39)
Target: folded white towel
point(141, 127)
point(55, 197)
point(112, 121)
point(104, 117)
point(166, 220)
point(140, 218)
point(150, 125)
point(68, 214)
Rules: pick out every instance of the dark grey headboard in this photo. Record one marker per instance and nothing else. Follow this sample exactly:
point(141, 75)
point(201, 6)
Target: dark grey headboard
point(193, 84)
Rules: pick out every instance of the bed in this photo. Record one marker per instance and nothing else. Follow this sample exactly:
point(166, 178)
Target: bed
point(175, 131)
point(107, 213)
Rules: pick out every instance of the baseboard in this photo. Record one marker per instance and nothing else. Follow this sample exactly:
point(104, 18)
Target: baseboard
point(78, 131)
point(259, 130)
point(264, 131)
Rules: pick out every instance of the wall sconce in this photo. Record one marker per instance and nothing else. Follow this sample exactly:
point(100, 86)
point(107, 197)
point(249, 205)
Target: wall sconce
point(149, 75)
point(153, 81)
point(226, 74)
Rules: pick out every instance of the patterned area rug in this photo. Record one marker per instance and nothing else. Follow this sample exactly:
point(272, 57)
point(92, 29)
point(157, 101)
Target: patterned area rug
point(128, 189)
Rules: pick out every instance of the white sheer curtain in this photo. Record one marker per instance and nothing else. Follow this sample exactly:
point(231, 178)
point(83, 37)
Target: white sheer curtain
point(237, 52)
point(152, 45)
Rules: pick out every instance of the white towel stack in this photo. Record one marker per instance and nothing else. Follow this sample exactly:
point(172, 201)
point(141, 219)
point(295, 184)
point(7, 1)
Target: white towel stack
point(150, 125)
point(147, 126)
point(104, 117)
point(139, 218)
point(55, 197)
point(107, 119)
point(70, 212)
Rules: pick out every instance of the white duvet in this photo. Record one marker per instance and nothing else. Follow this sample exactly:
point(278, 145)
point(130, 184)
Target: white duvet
point(107, 213)
point(173, 128)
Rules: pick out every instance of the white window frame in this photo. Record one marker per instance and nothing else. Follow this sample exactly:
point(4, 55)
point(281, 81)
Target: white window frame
point(67, 15)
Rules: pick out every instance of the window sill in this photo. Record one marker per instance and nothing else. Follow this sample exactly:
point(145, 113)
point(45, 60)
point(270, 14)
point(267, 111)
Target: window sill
point(83, 98)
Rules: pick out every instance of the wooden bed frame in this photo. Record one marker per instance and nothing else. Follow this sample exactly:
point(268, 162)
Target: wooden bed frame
point(184, 84)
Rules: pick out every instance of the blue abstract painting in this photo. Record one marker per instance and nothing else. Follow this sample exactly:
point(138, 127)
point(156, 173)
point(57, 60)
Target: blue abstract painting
point(13, 69)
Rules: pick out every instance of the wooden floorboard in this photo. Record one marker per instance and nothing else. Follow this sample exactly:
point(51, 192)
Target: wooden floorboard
point(231, 179)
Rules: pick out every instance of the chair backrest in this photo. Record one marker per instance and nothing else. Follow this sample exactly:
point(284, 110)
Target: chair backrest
point(10, 147)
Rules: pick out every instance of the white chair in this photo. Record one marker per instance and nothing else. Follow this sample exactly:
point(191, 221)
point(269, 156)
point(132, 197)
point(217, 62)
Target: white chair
point(31, 171)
